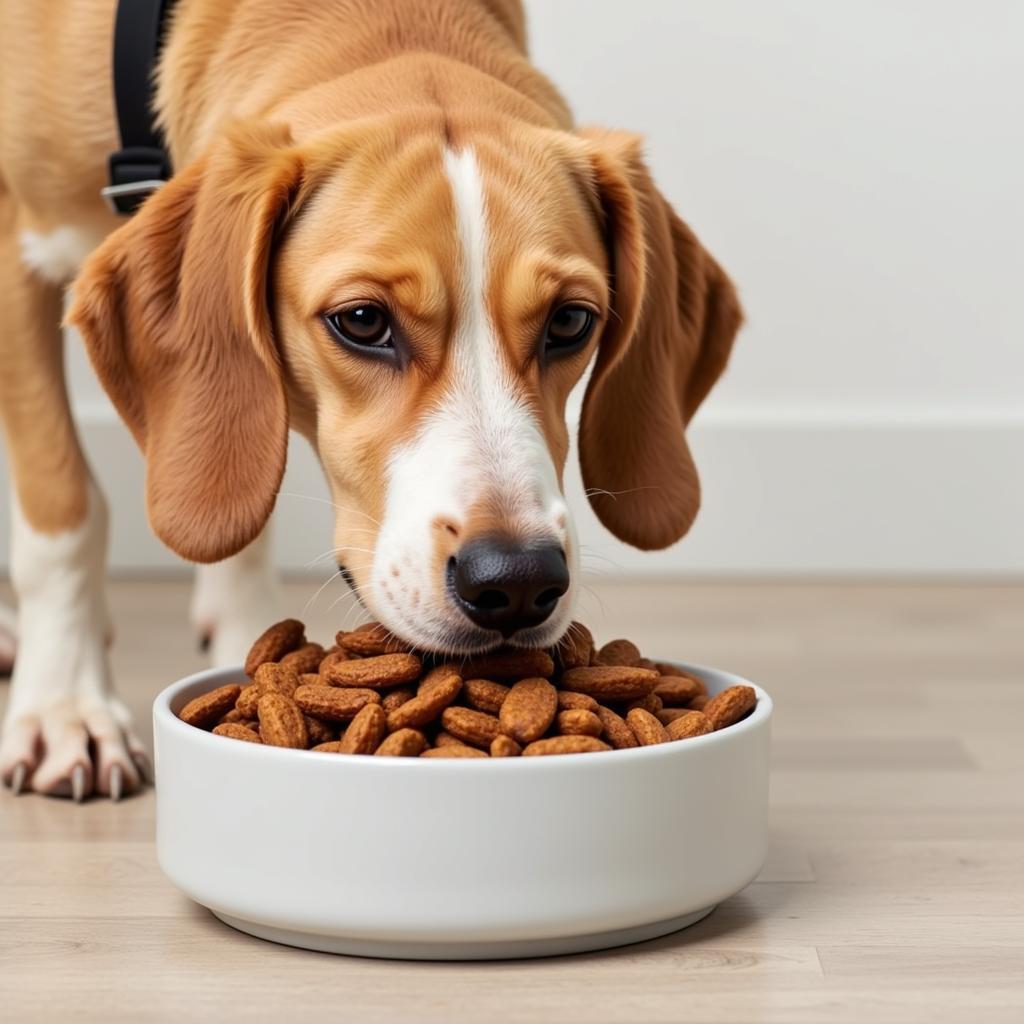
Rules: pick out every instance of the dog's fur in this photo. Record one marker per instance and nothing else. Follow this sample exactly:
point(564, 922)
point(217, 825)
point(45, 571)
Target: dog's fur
point(397, 151)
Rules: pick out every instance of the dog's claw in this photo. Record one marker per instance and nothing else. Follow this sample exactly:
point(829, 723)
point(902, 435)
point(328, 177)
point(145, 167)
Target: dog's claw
point(116, 782)
point(18, 777)
point(78, 780)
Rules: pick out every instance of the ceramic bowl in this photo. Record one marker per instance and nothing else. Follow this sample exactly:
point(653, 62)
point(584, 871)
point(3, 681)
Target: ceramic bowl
point(459, 859)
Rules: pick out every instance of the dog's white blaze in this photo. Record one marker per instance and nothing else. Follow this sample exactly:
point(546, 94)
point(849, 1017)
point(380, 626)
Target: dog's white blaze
point(57, 255)
point(482, 441)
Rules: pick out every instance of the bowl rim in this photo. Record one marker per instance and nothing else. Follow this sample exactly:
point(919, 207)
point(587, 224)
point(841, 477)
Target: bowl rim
point(164, 718)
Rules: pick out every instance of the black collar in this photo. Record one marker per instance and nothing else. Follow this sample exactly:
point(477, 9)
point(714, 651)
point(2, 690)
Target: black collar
point(141, 165)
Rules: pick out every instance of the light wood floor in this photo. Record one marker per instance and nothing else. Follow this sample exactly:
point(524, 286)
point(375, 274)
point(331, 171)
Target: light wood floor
point(894, 890)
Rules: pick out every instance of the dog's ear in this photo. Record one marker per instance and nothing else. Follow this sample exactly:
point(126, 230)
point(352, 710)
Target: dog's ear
point(173, 308)
point(674, 317)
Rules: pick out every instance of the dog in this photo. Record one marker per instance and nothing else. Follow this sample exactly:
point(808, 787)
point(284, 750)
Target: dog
point(385, 232)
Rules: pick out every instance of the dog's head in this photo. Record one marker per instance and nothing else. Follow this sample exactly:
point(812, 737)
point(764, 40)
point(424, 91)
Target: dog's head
point(419, 300)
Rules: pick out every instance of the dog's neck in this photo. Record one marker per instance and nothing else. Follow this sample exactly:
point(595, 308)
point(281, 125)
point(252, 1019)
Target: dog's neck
point(337, 62)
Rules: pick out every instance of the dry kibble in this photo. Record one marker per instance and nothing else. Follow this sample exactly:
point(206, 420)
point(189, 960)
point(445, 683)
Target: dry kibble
point(453, 750)
point(579, 723)
point(394, 699)
point(510, 665)
point(371, 639)
point(565, 745)
point(334, 704)
point(365, 733)
point(694, 724)
point(404, 743)
point(616, 731)
point(568, 701)
point(729, 706)
point(282, 723)
point(677, 691)
point(485, 694)
point(651, 702)
point(610, 682)
point(234, 731)
point(209, 707)
point(426, 705)
point(473, 727)
point(274, 643)
point(646, 728)
point(618, 652)
point(528, 710)
point(576, 647)
point(370, 695)
point(377, 673)
point(504, 746)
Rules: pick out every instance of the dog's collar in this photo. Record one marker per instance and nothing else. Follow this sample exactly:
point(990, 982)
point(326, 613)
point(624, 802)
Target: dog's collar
point(141, 165)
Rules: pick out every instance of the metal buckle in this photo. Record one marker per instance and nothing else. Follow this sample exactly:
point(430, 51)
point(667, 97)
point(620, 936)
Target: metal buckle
point(133, 191)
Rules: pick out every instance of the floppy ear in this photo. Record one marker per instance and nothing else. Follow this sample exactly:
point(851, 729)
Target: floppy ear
point(173, 308)
point(674, 317)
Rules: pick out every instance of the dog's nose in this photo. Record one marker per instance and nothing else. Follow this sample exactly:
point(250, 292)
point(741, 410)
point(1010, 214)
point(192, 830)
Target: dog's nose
point(501, 585)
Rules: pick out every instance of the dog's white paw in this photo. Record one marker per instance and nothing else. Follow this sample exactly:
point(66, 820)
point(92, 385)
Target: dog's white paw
point(65, 733)
point(234, 601)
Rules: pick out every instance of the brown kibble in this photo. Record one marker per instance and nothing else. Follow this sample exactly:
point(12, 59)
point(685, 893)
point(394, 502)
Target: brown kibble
point(510, 665)
point(677, 691)
point(333, 747)
point(319, 732)
point(579, 722)
point(618, 652)
point(394, 699)
point(233, 716)
point(696, 723)
point(504, 746)
point(234, 731)
point(729, 706)
point(476, 728)
point(667, 715)
point(699, 703)
point(331, 657)
point(651, 702)
point(485, 694)
point(332, 703)
point(453, 750)
point(646, 728)
point(576, 647)
point(568, 701)
point(616, 731)
point(366, 732)
point(282, 724)
point(304, 659)
point(372, 639)
point(528, 710)
point(610, 682)
point(207, 708)
point(565, 745)
point(270, 677)
point(274, 643)
point(404, 743)
point(426, 705)
point(377, 673)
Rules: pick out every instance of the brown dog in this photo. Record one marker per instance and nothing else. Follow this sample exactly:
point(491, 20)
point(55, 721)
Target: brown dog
point(385, 232)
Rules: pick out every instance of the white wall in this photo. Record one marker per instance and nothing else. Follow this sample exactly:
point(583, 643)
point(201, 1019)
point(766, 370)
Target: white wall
point(858, 167)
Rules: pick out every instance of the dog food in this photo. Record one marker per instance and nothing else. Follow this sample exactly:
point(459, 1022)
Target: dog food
point(371, 694)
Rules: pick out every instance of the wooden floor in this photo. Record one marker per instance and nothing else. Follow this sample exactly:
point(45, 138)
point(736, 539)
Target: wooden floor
point(894, 890)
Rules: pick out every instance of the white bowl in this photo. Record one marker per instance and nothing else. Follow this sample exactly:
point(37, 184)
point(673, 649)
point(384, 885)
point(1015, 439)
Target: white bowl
point(452, 860)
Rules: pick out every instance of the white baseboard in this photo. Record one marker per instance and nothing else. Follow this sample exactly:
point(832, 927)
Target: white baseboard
point(814, 494)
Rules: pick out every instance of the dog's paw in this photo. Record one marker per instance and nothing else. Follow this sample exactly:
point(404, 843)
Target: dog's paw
point(65, 734)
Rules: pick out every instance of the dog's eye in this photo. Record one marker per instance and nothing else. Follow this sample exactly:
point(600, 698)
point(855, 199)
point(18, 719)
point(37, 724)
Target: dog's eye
point(364, 326)
point(568, 328)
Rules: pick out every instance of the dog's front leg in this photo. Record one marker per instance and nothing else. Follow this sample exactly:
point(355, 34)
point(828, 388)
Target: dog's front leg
point(64, 732)
point(233, 601)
